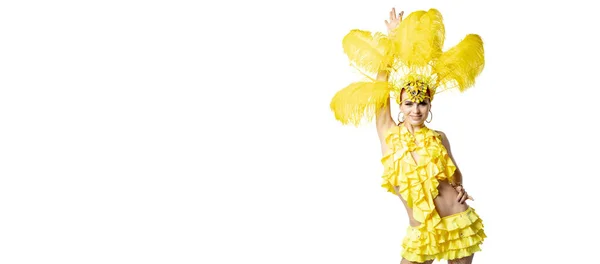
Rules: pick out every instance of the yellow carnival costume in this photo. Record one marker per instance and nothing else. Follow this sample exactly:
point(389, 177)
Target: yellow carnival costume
point(413, 58)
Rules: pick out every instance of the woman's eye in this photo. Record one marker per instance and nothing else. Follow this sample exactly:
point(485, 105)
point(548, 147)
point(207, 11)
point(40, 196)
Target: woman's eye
point(423, 104)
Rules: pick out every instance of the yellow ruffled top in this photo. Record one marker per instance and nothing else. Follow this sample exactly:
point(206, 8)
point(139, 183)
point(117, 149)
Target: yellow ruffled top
point(417, 182)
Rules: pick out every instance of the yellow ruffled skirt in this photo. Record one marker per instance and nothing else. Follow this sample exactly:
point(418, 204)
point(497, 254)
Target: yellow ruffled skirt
point(456, 236)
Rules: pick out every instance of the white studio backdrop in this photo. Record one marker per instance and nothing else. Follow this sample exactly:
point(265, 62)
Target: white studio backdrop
point(197, 132)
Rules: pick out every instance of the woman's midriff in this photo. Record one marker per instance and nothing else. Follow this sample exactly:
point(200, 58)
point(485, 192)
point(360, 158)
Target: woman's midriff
point(445, 203)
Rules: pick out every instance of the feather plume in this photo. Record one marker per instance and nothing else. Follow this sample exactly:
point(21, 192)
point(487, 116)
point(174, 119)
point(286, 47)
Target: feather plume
point(413, 52)
point(360, 100)
point(367, 51)
point(459, 66)
point(419, 38)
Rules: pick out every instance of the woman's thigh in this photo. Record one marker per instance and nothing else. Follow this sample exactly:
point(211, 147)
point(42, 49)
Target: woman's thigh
point(465, 260)
point(404, 261)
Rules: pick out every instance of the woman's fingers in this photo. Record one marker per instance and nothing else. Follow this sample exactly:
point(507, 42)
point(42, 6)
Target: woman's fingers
point(460, 195)
point(394, 17)
point(464, 197)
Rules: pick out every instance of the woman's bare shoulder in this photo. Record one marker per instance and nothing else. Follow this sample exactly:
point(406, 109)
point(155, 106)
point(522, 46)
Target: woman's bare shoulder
point(441, 133)
point(384, 128)
point(444, 139)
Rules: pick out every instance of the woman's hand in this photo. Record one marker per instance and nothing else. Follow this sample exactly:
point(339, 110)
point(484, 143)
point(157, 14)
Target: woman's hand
point(462, 194)
point(394, 21)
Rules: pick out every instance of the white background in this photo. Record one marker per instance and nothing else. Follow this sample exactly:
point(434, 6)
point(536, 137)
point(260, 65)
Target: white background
point(181, 132)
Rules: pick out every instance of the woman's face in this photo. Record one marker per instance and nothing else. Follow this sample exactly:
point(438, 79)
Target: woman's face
point(414, 113)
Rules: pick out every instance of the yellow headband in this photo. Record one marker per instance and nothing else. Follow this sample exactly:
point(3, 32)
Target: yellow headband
point(416, 91)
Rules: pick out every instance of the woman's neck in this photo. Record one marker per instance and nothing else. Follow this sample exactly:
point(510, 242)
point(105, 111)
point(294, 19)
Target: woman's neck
point(412, 128)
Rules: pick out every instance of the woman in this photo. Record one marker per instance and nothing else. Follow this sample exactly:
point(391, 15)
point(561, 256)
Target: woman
point(418, 164)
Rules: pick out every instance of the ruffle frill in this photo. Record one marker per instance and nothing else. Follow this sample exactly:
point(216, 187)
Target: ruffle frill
point(455, 237)
point(417, 182)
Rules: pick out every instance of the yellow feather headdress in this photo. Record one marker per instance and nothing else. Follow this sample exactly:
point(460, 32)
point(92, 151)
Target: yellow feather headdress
point(413, 57)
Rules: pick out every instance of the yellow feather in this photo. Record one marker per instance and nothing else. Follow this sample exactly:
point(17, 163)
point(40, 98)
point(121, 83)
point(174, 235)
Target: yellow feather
point(359, 101)
point(367, 51)
point(420, 37)
point(459, 66)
